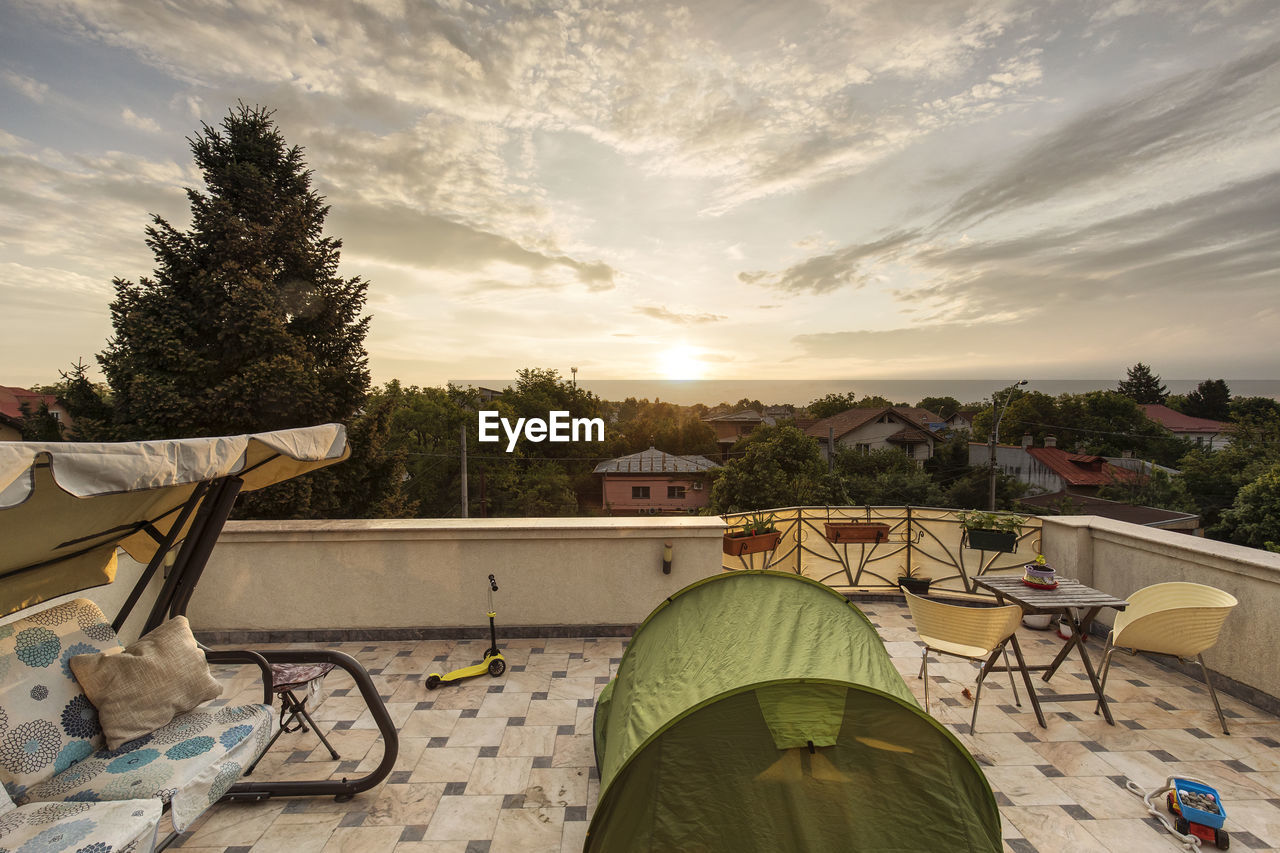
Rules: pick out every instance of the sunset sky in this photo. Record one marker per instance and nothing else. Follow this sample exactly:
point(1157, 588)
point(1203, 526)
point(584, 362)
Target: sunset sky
point(775, 190)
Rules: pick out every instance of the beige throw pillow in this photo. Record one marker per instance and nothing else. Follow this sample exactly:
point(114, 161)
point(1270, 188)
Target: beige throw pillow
point(142, 687)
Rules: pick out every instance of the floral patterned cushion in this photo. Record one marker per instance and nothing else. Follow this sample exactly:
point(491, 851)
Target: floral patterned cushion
point(46, 723)
point(128, 826)
point(189, 763)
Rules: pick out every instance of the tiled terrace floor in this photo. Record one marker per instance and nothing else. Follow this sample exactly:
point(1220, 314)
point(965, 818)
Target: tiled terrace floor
point(507, 764)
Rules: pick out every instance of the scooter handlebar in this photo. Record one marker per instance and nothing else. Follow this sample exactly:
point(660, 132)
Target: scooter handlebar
point(493, 584)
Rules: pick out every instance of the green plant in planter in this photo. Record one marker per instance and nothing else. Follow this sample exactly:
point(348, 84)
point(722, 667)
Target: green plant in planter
point(991, 531)
point(1005, 522)
point(755, 524)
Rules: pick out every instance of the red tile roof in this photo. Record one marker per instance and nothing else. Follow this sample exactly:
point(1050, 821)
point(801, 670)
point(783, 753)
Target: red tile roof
point(1079, 469)
point(1178, 422)
point(11, 400)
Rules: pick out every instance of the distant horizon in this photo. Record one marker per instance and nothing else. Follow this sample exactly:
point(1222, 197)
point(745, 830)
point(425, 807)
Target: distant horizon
point(711, 392)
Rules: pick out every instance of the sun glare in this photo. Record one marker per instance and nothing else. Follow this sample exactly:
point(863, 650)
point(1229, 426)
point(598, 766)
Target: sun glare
point(680, 361)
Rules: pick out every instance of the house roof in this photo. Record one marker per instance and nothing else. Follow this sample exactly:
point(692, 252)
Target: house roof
point(747, 416)
point(1178, 422)
point(849, 420)
point(1081, 469)
point(1090, 505)
point(654, 461)
point(11, 400)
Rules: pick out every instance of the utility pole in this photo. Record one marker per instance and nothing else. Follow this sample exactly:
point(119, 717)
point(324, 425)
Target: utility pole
point(997, 412)
point(465, 498)
point(574, 371)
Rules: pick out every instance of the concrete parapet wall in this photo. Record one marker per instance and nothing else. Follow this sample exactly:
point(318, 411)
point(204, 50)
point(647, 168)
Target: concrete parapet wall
point(297, 576)
point(1119, 558)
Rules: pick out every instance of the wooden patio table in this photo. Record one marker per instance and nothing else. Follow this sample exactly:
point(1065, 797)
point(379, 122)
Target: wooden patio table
point(1068, 599)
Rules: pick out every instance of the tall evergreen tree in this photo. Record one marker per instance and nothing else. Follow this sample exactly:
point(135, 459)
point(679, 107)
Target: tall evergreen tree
point(1143, 386)
point(1211, 399)
point(246, 325)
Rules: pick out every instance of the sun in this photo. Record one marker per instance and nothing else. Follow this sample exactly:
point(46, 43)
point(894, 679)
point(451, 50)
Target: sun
point(680, 361)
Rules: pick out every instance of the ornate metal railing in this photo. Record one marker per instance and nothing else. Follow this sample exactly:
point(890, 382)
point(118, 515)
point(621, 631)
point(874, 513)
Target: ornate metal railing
point(928, 539)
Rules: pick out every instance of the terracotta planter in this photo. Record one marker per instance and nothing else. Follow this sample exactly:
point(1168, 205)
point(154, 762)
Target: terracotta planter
point(736, 546)
point(915, 586)
point(982, 539)
point(840, 532)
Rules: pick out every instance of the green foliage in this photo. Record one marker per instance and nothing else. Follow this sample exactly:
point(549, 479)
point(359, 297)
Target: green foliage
point(1158, 490)
point(1254, 516)
point(531, 489)
point(971, 490)
point(944, 407)
point(781, 466)
point(1214, 477)
point(637, 425)
point(1143, 386)
point(39, 424)
point(834, 404)
point(1243, 408)
point(982, 520)
point(246, 325)
point(87, 403)
point(886, 477)
point(755, 524)
point(1211, 399)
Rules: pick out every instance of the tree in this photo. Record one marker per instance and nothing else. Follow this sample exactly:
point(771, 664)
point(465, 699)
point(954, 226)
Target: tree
point(781, 466)
point(886, 477)
point(1158, 489)
point(832, 404)
point(87, 404)
point(1142, 386)
point(1254, 516)
point(1211, 399)
point(944, 407)
point(39, 424)
point(246, 325)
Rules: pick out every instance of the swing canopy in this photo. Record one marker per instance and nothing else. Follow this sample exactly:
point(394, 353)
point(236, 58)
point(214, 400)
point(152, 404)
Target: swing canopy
point(66, 506)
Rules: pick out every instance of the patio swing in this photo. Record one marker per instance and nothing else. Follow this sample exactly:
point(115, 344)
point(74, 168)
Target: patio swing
point(65, 508)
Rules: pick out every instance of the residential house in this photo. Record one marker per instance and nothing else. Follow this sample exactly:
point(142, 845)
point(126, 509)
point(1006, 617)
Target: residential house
point(655, 483)
point(1212, 435)
point(962, 421)
point(1052, 469)
point(902, 427)
point(11, 402)
point(733, 426)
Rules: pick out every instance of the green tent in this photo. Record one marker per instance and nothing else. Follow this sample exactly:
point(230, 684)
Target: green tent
point(759, 710)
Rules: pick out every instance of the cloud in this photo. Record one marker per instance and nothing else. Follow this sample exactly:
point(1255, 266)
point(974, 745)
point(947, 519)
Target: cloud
point(828, 272)
point(31, 88)
point(771, 107)
point(396, 234)
point(1184, 116)
point(143, 123)
point(668, 316)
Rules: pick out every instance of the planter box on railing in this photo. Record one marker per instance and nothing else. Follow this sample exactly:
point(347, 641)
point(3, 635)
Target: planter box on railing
point(841, 532)
point(982, 539)
point(736, 546)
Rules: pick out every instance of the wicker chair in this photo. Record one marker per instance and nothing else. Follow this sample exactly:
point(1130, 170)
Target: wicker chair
point(1178, 619)
point(976, 633)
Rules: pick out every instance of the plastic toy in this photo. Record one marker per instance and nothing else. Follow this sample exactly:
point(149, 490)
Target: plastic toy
point(1197, 809)
point(494, 663)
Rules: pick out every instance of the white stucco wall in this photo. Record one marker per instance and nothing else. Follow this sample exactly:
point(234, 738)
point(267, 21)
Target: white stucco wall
point(414, 573)
point(1119, 558)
